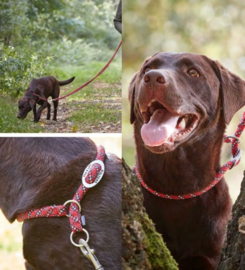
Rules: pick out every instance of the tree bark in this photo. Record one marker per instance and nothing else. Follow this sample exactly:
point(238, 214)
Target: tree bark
point(142, 247)
point(233, 253)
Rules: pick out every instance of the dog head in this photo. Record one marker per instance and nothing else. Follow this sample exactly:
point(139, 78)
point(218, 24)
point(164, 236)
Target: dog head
point(26, 104)
point(175, 96)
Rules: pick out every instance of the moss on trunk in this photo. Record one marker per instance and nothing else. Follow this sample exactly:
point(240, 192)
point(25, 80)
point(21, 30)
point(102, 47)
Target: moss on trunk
point(143, 247)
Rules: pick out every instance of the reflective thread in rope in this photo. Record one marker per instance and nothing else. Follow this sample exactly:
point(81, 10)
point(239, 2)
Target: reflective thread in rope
point(235, 159)
point(85, 84)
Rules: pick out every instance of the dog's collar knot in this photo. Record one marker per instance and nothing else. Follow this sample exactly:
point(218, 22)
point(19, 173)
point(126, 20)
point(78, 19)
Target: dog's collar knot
point(235, 159)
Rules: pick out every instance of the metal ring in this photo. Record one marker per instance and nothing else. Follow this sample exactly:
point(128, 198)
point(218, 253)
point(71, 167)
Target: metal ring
point(73, 201)
point(79, 245)
point(233, 137)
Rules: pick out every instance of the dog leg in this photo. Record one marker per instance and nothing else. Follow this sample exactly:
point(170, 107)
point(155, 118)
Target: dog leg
point(48, 113)
point(56, 102)
point(34, 111)
point(43, 106)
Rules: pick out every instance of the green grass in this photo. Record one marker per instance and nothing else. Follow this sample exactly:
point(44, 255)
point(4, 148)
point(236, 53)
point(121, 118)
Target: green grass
point(8, 118)
point(85, 72)
point(88, 117)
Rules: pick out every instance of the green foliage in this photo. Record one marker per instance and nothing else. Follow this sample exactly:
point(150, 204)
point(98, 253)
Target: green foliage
point(76, 53)
point(17, 67)
point(32, 32)
point(12, 20)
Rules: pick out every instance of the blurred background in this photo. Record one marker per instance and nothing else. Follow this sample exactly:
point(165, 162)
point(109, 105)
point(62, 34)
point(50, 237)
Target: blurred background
point(10, 234)
point(213, 28)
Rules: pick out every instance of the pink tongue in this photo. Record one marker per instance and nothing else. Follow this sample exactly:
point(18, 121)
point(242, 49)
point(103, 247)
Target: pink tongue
point(160, 127)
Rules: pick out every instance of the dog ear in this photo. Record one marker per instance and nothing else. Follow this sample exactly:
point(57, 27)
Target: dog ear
point(232, 91)
point(131, 98)
point(32, 103)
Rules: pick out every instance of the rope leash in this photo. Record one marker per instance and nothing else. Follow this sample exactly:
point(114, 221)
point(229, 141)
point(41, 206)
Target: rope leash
point(235, 159)
point(85, 84)
point(92, 175)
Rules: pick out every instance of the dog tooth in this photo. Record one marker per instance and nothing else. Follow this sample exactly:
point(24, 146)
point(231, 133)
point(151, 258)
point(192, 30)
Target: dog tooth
point(149, 104)
point(182, 124)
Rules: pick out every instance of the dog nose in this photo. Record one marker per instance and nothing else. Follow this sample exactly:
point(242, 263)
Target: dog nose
point(19, 116)
point(154, 76)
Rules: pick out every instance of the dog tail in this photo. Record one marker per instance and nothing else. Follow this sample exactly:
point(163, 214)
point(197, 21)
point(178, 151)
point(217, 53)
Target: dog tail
point(66, 82)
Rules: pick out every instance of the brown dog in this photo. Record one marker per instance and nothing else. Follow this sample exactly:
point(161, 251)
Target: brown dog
point(180, 105)
point(43, 87)
point(37, 172)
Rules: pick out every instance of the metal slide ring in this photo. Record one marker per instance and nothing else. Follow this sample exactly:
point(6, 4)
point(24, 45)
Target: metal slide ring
point(79, 245)
point(73, 201)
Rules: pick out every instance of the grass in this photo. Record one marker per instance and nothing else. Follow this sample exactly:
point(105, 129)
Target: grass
point(91, 117)
point(84, 73)
point(9, 121)
point(90, 107)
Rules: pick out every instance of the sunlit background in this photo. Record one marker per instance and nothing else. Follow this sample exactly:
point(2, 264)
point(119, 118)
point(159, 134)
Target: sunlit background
point(10, 234)
point(213, 28)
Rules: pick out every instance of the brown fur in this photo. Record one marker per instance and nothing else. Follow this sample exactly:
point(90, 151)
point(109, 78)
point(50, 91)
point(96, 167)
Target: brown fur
point(36, 172)
point(194, 229)
point(43, 87)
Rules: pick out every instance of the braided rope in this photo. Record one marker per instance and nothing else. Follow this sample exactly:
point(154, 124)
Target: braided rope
point(227, 166)
point(74, 211)
point(88, 82)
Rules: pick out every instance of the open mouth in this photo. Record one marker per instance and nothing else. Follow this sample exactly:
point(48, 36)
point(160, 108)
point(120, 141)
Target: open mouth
point(162, 127)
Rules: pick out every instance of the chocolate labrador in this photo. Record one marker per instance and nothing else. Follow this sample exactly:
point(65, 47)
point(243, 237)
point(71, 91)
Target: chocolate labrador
point(43, 87)
point(180, 105)
point(37, 172)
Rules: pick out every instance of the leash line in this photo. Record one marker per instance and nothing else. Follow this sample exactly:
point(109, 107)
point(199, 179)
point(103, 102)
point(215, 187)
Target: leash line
point(88, 82)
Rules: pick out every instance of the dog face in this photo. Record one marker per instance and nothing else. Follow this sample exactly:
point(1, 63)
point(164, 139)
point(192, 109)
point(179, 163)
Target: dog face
point(25, 106)
point(175, 96)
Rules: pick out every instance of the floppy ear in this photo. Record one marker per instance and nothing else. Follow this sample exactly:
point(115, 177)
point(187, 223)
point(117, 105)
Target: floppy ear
point(131, 98)
point(232, 91)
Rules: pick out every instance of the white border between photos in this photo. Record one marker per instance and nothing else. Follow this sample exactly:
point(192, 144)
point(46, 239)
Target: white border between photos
point(117, 135)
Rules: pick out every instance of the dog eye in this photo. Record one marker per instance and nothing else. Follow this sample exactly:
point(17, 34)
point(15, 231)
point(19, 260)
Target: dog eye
point(147, 70)
point(193, 73)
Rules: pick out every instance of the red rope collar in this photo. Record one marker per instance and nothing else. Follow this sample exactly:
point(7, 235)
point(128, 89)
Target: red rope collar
point(235, 159)
point(85, 84)
point(91, 176)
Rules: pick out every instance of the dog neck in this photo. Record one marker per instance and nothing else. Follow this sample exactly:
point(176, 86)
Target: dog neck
point(189, 168)
point(35, 178)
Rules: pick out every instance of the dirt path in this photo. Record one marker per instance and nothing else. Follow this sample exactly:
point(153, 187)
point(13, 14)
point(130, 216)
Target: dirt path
point(67, 108)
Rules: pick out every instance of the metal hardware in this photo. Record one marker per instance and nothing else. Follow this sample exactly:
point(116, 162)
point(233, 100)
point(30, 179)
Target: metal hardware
point(89, 253)
point(99, 175)
point(79, 245)
point(73, 201)
point(233, 137)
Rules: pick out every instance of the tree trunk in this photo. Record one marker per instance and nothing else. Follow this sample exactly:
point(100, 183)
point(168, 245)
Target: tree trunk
point(233, 253)
point(142, 247)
